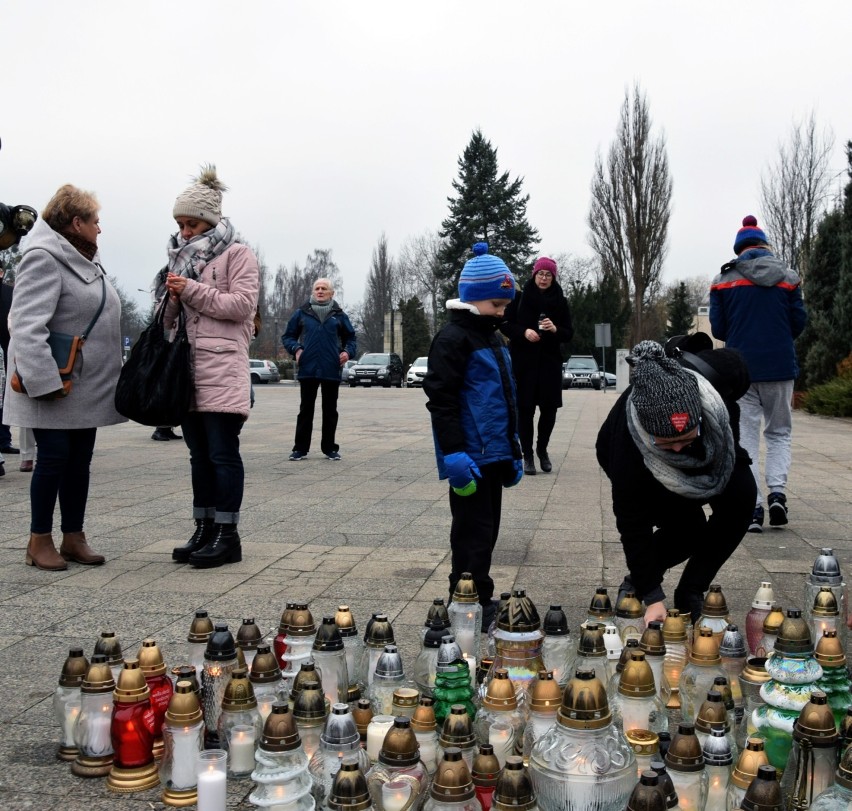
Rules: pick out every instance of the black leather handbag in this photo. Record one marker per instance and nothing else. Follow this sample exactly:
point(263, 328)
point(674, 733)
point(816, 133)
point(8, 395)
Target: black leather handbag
point(155, 384)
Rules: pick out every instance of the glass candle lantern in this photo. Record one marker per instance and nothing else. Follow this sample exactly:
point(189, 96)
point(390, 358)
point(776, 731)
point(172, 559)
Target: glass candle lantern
point(266, 681)
point(629, 616)
point(665, 781)
point(826, 572)
point(653, 645)
point(376, 730)
point(110, 647)
point(377, 634)
point(713, 716)
point(647, 794)
point(835, 676)
point(329, 655)
point(67, 701)
point(626, 652)
point(211, 775)
point(362, 715)
point(457, 732)
point(183, 739)
point(752, 678)
point(514, 791)
point(584, 760)
point(220, 661)
point(718, 761)
point(308, 672)
point(484, 774)
point(646, 748)
point(677, 648)
point(132, 733)
point(281, 766)
point(723, 687)
point(490, 644)
point(452, 787)
point(591, 653)
point(199, 635)
point(714, 612)
point(301, 630)
point(404, 703)
point(426, 663)
point(559, 648)
point(426, 731)
point(764, 792)
point(154, 669)
point(685, 765)
point(498, 721)
point(837, 797)
point(92, 727)
point(750, 760)
point(186, 673)
point(825, 614)
point(615, 650)
point(437, 611)
point(387, 678)
point(771, 627)
point(352, 648)
point(279, 644)
point(240, 724)
point(399, 775)
point(813, 756)
point(466, 616)
point(636, 704)
point(732, 650)
point(349, 790)
point(339, 740)
point(249, 636)
point(703, 667)
point(545, 699)
point(452, 680)
point(600, 608)
point(760, 607)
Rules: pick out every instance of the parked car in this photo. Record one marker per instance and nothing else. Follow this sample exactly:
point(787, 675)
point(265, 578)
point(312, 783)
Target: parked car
point(416, 372)
point(602, 380)
point(577, 371)
point(344, 372)
point(263, 371)
point(379, 368)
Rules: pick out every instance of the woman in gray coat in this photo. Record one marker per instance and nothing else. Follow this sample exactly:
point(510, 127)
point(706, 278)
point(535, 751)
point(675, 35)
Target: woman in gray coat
point(59, 287)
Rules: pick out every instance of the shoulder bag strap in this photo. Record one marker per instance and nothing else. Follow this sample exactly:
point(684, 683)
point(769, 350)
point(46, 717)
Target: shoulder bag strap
point(98, 313)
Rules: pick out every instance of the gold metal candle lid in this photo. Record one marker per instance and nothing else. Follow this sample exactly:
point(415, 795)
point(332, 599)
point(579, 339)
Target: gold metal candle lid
point(284, 622)
point(755, 672)
point(584, 703)
point(280, 733)
point(423, 719)
point(652, 641)
point(452, 781)
point(772, 623)
point(264, 666)
point(307, 673)
point(379, 632)
point(201, 629)
point(239, 694)
point(362, 715)
point(685, 753)
point(98, 678)
point(712, 713)
point(74, 669)
point(749, 761)
point(328, 636)
point(344, 621)
point(764, 792)
point(500, 694)
point(829, 651)
point(816, 722)
point(601, 606)
point(519, 615)
point(629, 607)
point(794, 635)
point(514, 789)
point(637, 678)
point(404, 698)
point(643, 741)
point(647, 795)
point(151, 659)
point(457, 729)
point(705, 649)
point(825, 603)
point(349, 790)
point(715, 604)
point(486, 767)
point(110, 647)
point(465, 590)
point(629, 648)
point(674, 627)
point(309, 704)
point(546, 694)
point(132, 687)
point(301, 621)
point(843, 775)
point(184, 709)
point(249, 635)
point(591, 641)
point(400, 747)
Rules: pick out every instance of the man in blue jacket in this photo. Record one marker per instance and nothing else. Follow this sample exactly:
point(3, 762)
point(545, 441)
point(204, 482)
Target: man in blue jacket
point(320, 337)
point(756, 307)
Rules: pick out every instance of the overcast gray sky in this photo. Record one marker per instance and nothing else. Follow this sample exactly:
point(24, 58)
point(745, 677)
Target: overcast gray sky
point(332, 122)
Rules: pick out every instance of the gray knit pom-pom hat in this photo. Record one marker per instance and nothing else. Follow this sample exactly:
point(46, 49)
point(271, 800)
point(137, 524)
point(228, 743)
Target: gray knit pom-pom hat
point(203, 199)
point(664, 394)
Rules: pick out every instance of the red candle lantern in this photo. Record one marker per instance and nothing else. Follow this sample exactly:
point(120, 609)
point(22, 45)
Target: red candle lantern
point(154, 669)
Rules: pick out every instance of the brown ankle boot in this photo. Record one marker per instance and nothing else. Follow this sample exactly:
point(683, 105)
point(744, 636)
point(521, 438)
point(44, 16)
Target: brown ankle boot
point(74, 547)
point(42, 553)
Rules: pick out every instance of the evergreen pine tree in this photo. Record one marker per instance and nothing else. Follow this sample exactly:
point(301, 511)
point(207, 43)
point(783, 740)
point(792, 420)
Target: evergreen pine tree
point(487, 208)
point(680, 316)
point(415, 330)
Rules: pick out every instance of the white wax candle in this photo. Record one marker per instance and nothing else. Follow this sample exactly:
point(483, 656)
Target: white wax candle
point(241, 751)
point(376, 731)
point(428, 750)
point(464, 639)
point(264, 708)
point(395, 794)
point(100, 740)
point(71, 713)
point(471, 664)
point(212, 790)
point(184, 755)
point(500, 737)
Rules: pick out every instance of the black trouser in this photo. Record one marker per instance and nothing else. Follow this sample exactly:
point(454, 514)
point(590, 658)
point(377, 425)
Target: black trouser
point(686, 533)
point(305, 420)
point(476, 524)
point(64, 459)
point(546, 421)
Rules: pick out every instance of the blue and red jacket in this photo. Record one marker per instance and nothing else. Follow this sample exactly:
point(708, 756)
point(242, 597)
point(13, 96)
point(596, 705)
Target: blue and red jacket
point(756, 307)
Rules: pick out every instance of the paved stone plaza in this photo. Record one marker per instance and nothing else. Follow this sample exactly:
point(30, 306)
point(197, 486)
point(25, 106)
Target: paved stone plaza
point(370, 531)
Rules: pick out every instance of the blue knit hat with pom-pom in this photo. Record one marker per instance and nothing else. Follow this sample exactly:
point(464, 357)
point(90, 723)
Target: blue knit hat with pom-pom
point(749, 236)
point(485, 277)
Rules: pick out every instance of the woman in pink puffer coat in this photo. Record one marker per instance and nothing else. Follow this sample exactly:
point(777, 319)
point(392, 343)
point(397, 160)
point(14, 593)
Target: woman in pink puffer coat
point(215, 278)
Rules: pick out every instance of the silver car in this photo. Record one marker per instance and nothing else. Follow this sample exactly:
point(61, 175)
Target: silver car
point(263, 371)
point(344, 371)
point(416, 372)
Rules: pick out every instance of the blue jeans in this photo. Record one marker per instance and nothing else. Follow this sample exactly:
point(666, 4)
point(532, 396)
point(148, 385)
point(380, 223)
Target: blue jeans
point(218, 477)
point(64, 459)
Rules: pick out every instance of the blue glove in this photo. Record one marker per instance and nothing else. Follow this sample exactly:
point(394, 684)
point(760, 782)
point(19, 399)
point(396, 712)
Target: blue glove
point(516, 475)
point(461, 470)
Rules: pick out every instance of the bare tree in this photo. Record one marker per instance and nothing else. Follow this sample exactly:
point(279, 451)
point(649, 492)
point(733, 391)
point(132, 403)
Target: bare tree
point(419, 263)
point(631, 207)
point(795, 191)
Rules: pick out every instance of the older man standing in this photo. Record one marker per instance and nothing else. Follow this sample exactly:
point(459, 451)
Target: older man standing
point(320, 337)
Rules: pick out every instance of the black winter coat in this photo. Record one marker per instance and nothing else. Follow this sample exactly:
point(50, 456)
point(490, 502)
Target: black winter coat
point(538, 366)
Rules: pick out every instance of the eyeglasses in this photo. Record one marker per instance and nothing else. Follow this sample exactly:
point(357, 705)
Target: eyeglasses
point(545, 274)
point(678, 443)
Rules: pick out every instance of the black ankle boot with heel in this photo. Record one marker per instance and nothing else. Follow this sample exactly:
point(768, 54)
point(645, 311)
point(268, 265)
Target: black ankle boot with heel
point(200, 538)
point(223, 548)
point(544, 461)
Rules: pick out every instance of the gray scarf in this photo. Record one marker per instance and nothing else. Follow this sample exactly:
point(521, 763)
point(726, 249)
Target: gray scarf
point(321, 310)
point(672, 469)
point(188, 257)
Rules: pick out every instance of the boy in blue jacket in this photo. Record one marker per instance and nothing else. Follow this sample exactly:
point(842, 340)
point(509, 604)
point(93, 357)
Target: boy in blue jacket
point(471, 397)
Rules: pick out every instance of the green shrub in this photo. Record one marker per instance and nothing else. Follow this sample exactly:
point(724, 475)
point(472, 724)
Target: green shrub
point(832, 399)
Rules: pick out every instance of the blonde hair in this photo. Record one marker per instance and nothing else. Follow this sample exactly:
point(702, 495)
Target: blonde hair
point(67, 203)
